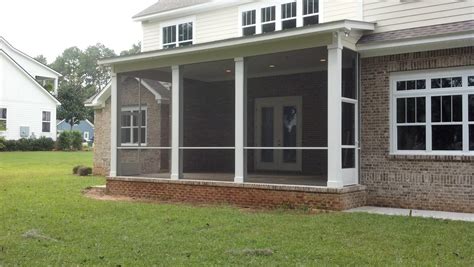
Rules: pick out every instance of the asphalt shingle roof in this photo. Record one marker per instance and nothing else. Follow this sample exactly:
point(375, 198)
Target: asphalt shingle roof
point(426, 31)
point(167, 5)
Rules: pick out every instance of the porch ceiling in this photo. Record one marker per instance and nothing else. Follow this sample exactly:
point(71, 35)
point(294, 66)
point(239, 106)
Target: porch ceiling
point(288, 40)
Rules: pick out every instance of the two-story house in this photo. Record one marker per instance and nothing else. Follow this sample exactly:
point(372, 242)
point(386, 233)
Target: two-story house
point(27, 109)
point(322, 103)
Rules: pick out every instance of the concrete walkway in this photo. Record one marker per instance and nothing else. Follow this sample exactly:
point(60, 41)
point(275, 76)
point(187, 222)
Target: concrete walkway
point(455, 216)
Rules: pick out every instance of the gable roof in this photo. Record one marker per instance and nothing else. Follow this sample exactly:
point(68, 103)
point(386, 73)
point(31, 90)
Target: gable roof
point(167, 5)
point(22, 70)
point(34, 61)
point(86, 121)
point(159, 89)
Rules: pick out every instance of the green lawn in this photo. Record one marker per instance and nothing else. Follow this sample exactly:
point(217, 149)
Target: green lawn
point(38, 193)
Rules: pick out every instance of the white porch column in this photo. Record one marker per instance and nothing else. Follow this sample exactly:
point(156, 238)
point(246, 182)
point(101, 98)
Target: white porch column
point(56, 86)
point(335, 113)
point(176, 123)
point(240, 121)
point(113, 125)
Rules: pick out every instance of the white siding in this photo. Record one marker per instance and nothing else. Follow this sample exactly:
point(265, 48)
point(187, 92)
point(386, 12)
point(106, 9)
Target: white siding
point(24, 101)
point(334, 10)
point(217, 25)
point(395, 14)
point(151, 36)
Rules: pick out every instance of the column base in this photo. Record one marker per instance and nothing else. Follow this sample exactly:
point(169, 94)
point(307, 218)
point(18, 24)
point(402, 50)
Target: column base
point(175, 177)
point(335, 184)
point(239, 180)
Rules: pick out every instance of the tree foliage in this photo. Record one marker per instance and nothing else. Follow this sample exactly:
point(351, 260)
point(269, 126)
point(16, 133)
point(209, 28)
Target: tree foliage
point(41, 59)
point(136, 48)
point(72, 108)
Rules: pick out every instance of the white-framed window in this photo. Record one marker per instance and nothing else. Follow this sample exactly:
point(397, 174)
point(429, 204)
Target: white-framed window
point(432, 112)
point(46, 122)
point(288, 15)
point(249, 25)
point(3, 119)
point(133, 126)
point(310, 12)
point(86, 136)
point(270, 16)
point(268, 19)
point(177, 33)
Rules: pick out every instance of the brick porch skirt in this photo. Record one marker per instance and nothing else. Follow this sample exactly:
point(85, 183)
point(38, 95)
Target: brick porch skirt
point(242, 195)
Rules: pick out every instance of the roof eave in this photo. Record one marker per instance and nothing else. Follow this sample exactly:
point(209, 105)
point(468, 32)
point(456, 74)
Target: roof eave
point(342, 25)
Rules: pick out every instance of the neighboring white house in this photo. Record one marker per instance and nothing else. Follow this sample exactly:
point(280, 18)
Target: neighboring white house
point(26, 108)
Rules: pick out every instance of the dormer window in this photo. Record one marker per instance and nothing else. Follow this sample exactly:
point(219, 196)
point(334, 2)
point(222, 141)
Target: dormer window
point(178, 35)
point(288, 16)
point(310, 12)
point(268, 19)
point(249, 22)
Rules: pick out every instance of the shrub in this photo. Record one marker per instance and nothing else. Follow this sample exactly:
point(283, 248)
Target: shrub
point(76, 169)
point(84, 171)
point(3, 146)
point(43, 144)
point(69, 140)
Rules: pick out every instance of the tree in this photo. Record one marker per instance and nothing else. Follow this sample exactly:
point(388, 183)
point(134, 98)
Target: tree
point(96, 76)
point(72, 108)
point(41, 59)
point(136, 48)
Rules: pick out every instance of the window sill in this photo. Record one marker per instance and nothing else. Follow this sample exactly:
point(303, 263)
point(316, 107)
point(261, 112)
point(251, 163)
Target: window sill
point(432, 157)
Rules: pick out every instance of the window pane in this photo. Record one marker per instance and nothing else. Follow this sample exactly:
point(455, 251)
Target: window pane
point(457, 108)
point(470, 81)
point(436, 83)
point(135, 135)
point(288, 10)
point(411, 85)
point(268, 27)
point(310, 7)
point(446, 104)
point(457, 82)
point(249, 17)
point(446, 82)
point(126, 121)
point(46, 127)
point(348, 158)
point(268, 14)
point(267, 127)
point(348, 124)
point(349, 74)
point(436, 109)
point(143, 117)
point(125, 136)
point(249, 31)
point(46, 116)
point(447, 137)
point(401, 86)
point(3, 113)
point(411, 137)
point(401, 106)
point(471, 137)
point(311, 20)
point(143, 135)
point(288, 24)
point(420, 109)
point(471, 107)
point(421, 84)
point(411, 110)
point(135, 116)
point(185, 31)
point(169, 34)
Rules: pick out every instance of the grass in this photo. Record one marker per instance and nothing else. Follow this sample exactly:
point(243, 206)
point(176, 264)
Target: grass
point(44, 220)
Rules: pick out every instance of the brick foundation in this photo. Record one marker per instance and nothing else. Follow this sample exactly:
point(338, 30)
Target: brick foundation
point(242, 195)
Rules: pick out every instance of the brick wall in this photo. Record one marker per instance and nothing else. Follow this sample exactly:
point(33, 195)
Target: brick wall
point(255, 196)
point(421, 182)
point(102, 140)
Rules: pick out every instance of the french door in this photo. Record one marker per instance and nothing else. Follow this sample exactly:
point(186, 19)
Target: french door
point(278, 124)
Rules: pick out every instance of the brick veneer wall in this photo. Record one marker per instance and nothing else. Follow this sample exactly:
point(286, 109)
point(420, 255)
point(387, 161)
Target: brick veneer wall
point(102, 140)
point(421, 182)
point(244, 195)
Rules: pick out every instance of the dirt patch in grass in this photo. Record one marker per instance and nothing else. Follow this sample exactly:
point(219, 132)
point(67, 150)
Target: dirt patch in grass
point(36, 234)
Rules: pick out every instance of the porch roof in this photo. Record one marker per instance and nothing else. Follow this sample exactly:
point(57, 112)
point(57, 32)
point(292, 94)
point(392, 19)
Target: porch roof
point(300, 38)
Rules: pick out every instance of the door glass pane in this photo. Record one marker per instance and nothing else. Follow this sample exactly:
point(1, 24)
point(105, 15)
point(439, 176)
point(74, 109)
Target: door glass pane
point(471, 137)
point(348, 124)
point(348, 158)
point(289, 132)
point(267, 134)
point(471, 107)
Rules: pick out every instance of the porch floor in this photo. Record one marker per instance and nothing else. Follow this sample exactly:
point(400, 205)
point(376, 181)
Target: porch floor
point(258, 178)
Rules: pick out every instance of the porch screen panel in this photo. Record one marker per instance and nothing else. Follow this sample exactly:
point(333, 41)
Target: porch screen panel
point(287, 116)
point(143, 126)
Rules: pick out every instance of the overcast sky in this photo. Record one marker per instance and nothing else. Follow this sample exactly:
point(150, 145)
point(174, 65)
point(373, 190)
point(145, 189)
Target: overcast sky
point(49, 26)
